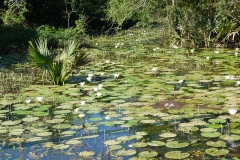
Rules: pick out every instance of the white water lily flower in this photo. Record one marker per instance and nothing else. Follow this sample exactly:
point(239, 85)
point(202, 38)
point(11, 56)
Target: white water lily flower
point(99, 94)
point(237, 83)
point(171, 105)
point(232, 111)
point(107, 117)
point(96, 44)
point(107, 61)
point(95, 89)
point(39, 98)
point(76, 109)
point(82, 84)
point(180, 81)
point(207, 58)
point(100, 86)
point(237, 49)
point(28, 101)
point(102, 73)
point(116, 75)
point(191, 50)
point(89, 79)
point(113, 63)
point(154, 69)
point(83, 102)
point(227, 77)
point(216, 52)
point(90, 75)
point(236, 54)
point(81, 115)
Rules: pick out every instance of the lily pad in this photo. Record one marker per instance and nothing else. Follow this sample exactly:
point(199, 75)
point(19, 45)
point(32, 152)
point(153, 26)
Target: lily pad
point(168, 135)
point(147, 154)
point(86, 153)
point(156, 143)
point(176, 155)
point(138, 144)
point(216, 152)
point(112, 142)
point(176, 144)
point(232, 137)
point(210, 134)
point(124, 152)
point(216, 144)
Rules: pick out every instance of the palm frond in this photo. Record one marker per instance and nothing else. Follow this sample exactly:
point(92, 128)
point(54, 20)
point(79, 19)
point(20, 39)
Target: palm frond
point(39, 53)
point(70, 47)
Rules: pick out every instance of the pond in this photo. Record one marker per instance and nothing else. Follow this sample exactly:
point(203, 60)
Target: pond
point(167, 104)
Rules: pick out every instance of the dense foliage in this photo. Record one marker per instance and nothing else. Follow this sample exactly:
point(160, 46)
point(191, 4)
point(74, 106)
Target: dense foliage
point(187, 23)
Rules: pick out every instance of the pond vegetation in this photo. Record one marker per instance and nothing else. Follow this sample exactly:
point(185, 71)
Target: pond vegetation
point(134, 100)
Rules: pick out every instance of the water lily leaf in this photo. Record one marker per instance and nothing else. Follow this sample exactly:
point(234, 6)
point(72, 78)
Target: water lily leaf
point(143, 133)
point(55, 120)
point(61, 146)
point(213, 125)
point(112, 142)
point(74, 142)
point(216, 152)
point(235, 131)
point(168, 135)
point(68, 132)
point(86, 153)
point(232, 137)
point(30, 119)
point(90, 136)
point(210, 134)
point(44, 134)
point(147, 154)
point(125, 138)
point(138, 144)
point(115, 147)
point(216, 144)
point(95, 119)
point(176, 155)
point(176, 144)
point(124, 152)
point(148, 121)
point(62, 111)
point(34, 139)
point(208, 130)
point(61, 126)
point(156, 143)
point(20, 112)
point(10, 123)
point(217, 120)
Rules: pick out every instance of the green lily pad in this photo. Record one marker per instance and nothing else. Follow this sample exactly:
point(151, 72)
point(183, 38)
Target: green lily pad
point(95, 119)
point(176, 155)
point(61, 146)
point(208, 130)
point(216, 152)
point(168, 135)
point(61, 126)
point(30, 119)
point(235, 131)
point(217, 120)
point(210, 134)
point(86, 154)
point(115, 147)
point(10, 123)
point(156, 143)
point(232, 137)
point(44, 134)
point(176, 144)
point(138, 144)
point(112, 142)
point(147, 154)
point(124, 152)
point(216, 144)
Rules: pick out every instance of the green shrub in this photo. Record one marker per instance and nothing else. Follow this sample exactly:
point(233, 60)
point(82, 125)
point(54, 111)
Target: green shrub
point(15, 38)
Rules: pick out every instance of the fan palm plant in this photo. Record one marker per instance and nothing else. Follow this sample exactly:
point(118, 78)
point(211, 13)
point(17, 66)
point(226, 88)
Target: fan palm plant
point(59, 66)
